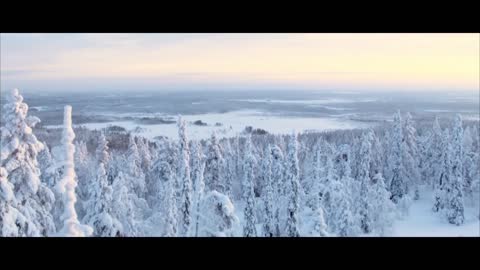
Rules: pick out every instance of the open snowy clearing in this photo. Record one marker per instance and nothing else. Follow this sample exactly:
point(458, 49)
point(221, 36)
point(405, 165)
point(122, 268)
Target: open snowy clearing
point(422, 221)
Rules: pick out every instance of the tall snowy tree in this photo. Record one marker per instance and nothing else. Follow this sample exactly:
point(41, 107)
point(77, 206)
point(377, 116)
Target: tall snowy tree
point(278, 174)
point(435, 155)
point(213, 167)
point(170, 204)
point(184, 178)
point(133, 168)
point(454, 193)
point(99, 207)
point(250, 219)
point(380, 207)
point(124, 207)
point(198, 167)
point(268, 195)
point(292, 178)
point(365, 182)
point(411, 161)
point(19, 148)
point(229, 168)
point(399, 177)
point(102, 150)
point(66, 186)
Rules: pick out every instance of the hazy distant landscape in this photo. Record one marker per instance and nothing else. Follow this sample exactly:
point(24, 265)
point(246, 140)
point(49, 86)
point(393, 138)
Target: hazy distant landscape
point(152, 114)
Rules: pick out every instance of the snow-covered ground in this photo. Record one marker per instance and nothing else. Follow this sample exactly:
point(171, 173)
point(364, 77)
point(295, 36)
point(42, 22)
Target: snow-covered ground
point(233, 123)
point(422, 221)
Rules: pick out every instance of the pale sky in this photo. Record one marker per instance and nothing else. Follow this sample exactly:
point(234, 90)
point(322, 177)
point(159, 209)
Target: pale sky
point(435, 62)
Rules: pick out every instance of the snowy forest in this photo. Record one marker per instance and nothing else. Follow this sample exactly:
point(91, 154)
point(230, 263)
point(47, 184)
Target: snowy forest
point(108, 183)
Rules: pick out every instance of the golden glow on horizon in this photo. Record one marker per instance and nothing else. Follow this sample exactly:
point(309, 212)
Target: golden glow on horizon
point(398, 60)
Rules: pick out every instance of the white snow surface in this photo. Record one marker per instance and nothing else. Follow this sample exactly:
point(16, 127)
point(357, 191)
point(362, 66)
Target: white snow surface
point(423, 222)
point(232, 124)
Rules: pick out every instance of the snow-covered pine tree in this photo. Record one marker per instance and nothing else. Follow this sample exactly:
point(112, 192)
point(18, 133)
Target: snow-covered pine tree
point(198, 167)
point(213, 166)
point(170, 204)
point(454, 193)
point(218, 217)
point(411, 161)
point(19, 148)
point(229, 168)
point(99, 207)
point(185, 180)
point(445, 172)
point(144, 152)
point(249, 229)
point(363, 204)
point(133, 168)
point(399, 178)
point(380, 206)
point(292, 179)
point(278, 174)
point(268, 195)
point(435, 155)
point(12, 222)
point(314, 192)
point(124, 208)
point(341, 217)
point(468, 163)
point(67, 184)
point(102, 150)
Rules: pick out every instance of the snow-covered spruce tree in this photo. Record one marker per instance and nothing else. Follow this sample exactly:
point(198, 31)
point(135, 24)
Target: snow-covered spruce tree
point(363, 204)
point(435, 155)
point(67, 184)
point(133, 168)
point(250, 220)
point(340, 216)
point(445, 172)
point(145, 155)
point(468, 163)
point(99, 207)
point(377, 161)
point(18, 156)
point(399, 177)
point(328, 176)
point(268, 195)
point(184, 179)
point(314, 192)
point(85, 177)
point(380, 207)
point(124, 208)
point(352, 186)
point(292, 179)
point(315, 216)
point(454, 194)
point(388, 158)
point(218, 217)
point(170, 204)
point(213, 166)
point(278, 174)
point(164, 206)
point(412, 160)
point(103, 156)
point(229, 168)
point(198, 167)
point(102, 150)
point(12, 222)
